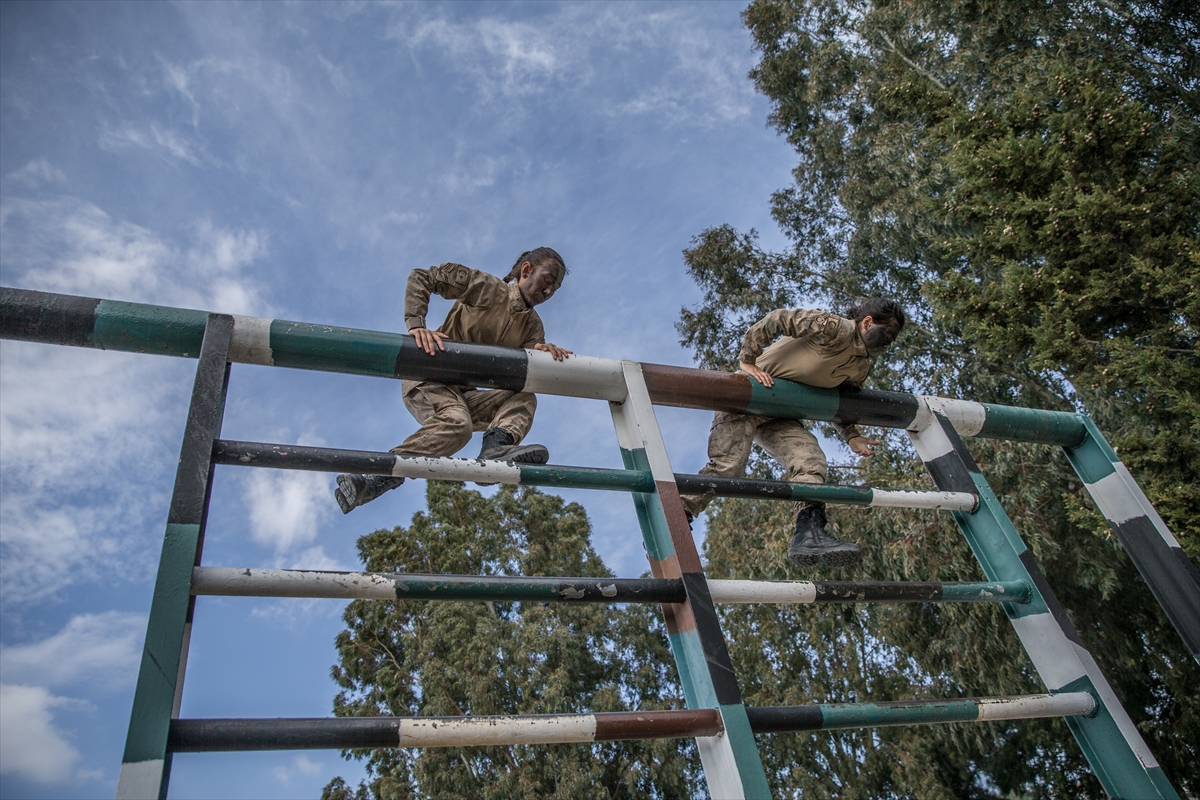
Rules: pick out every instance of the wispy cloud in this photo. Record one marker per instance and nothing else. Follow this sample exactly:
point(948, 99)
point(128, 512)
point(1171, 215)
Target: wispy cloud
point(286, 508)
point(37, 173)
point(159, 140)
point(86, 439)
point(593, 48)
point(301, 765)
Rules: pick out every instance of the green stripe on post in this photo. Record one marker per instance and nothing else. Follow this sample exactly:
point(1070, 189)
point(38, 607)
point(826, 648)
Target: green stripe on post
point(871, 715)
point(788, 400)
point(1117, 767)
point(1093, 458)
point(1032, 425)
point(149, 329)
point(616, 480)
point(1011, 591)
point(150, 717)
point(820, 493)
point(326, 348)
point(745, 751)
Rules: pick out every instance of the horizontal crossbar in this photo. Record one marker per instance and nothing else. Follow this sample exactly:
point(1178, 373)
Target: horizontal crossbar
point(115, 325)
point(325, 459)
point(245, 582)
point(349, 733)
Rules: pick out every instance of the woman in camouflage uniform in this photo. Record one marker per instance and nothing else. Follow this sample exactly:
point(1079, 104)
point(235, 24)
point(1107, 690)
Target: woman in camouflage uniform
point(816, 348)
point(487, 310)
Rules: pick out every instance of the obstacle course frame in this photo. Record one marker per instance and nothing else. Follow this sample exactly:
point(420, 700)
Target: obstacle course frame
point(722, 726)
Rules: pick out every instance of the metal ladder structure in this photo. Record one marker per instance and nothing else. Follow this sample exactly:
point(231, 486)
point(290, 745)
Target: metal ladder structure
point(722, 726)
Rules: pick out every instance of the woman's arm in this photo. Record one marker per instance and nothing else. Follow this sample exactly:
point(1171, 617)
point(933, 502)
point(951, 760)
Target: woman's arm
point(451, 281)
point(799, 323)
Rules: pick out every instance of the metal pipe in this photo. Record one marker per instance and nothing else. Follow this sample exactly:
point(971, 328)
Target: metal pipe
point(136, 327)
point(246, 582)
point(352, 733)
point(324, 459)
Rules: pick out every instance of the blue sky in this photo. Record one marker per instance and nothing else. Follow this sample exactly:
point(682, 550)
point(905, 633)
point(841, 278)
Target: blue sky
point(296, 161)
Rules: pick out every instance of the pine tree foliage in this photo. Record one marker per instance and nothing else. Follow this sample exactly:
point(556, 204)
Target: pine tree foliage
point(1022, 177)
point(410, 658)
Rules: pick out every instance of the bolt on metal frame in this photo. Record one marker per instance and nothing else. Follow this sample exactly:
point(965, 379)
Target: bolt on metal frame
point(723, 727)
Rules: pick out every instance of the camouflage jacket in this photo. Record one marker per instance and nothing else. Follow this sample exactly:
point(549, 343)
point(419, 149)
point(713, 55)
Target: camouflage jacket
point(487, 310)
point(815, 348)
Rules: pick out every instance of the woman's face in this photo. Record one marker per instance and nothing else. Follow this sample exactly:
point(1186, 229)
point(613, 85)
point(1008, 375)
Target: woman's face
point(538, 284)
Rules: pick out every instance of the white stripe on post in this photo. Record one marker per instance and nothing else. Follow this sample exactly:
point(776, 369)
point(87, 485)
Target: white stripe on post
point(242, 582)
point(966, 416)
point(456, 469)
point(1069, 704)
point(251, 341)
point(1044, 642)
point(901, 498)
point(577, 376)
point(491, 731)
point(762, 591)
point(140, 780)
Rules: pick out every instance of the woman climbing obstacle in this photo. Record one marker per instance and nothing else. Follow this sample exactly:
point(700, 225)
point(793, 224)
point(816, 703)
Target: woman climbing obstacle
point(818, 349)
point(487, 310)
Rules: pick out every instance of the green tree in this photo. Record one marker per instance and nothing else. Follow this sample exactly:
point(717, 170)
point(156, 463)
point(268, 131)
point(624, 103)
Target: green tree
point(1022, 177)
point(428, 658)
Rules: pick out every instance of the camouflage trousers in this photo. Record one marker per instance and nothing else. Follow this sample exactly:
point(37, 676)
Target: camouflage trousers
point(786, 440)
point(448, 415)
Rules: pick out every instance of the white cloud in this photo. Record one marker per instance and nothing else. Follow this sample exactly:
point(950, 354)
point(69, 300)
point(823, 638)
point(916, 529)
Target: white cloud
point(103, 650)
point(30, 746)
point(301, 765)
point(84, 464)
point(68, 245)
point(38, 172)
point(286, 508)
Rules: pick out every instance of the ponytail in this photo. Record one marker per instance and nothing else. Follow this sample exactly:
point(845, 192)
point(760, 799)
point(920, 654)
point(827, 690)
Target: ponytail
point(883, 312)
point(538, 257)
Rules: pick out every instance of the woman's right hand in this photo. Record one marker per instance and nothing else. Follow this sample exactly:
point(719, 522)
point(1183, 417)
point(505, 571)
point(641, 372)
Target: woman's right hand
point(427, 340)
point(754, 372)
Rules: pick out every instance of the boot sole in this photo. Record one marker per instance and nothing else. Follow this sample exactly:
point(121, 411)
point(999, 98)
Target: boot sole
point(343, 504)
point(349, 493)
point(530, 454)
point(841, 558)
point(825, 558)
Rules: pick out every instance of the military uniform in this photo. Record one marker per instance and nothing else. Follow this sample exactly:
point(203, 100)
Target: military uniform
point(487, 311)
point(810, 347)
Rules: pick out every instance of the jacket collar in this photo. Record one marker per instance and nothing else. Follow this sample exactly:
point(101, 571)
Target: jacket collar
point(860, 346)
point(516, 300)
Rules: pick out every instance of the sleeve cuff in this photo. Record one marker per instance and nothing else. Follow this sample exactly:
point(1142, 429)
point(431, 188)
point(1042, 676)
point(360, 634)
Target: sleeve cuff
point(848, 432)
point(414, 322)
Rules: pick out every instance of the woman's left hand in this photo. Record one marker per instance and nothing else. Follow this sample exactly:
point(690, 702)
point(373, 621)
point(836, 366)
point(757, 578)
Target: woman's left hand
point(554, 350)
point(861, 445)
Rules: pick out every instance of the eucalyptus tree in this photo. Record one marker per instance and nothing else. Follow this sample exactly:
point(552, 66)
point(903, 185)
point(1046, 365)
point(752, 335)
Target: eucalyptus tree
point(408, 658)
point(1022, 178)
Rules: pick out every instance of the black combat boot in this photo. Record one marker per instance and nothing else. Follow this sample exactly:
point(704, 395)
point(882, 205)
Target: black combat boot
point(498, 446)
point(812, 545)
point(356, 490)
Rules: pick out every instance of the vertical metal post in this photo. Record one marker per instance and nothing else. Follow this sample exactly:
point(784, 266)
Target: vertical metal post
point(1110, 742)
point(732, 766)
point(146, 765)
point(1170, 574)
